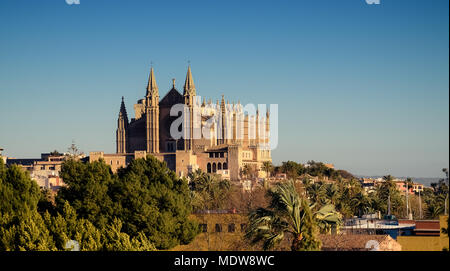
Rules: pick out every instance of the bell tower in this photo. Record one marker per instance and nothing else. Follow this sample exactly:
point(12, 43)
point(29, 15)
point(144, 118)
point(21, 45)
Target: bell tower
point(122, 130)
point(152, 114)
point(189, 100)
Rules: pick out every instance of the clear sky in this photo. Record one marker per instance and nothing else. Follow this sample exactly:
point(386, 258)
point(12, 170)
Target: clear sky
point(365, 87)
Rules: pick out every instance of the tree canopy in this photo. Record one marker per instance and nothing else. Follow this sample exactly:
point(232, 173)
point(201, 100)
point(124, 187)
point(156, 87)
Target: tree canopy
point(144, 207)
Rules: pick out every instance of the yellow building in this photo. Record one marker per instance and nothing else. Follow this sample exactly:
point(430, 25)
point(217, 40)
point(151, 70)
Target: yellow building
point(426, 243)
point(219, 231)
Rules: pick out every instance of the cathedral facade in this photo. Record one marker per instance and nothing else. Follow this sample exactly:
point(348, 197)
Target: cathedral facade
point(190, 134)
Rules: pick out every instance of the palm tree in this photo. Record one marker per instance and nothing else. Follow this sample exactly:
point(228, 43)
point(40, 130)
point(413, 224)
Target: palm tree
point(316, 193)
point(327, 217)
point(445, 170)
point(332, 192)
point(434, 210)
point(387, 188)
point(409, 183)
point(246, 171)
point(207, 191)
point(361, 203)
point(267, 167)
point(288, 214)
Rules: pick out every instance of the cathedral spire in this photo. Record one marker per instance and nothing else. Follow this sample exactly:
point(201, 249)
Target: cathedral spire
point(189, 87)
point(123, 111)
point(152, 87)
point(121, 132)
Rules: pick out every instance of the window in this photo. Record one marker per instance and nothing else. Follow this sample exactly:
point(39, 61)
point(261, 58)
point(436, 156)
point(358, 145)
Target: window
point(219, 166)
point(209, 168)
point(171, 146)
point(203, 227)
point(225, 166)
point(222, 154)
point(231, 227)
point(214, 167)
point(218, 228)
point(211, 155)
point(216, 155)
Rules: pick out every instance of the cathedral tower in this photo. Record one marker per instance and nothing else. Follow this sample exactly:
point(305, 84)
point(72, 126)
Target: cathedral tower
point(189, 100)
point(122, 127)
point(152, 114)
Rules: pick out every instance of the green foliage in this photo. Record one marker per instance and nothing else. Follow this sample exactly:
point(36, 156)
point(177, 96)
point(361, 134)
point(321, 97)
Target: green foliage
point(361, 203)
point(316, 193)
point(288, 213)
point(144, 206)
point(87, 190)
point(267, 167)
point(2, 169)
point(312, 168)
point(388, 192)
point(19, 194)
point(21, 226)
point(116, 240)
point(27, 233)
point(248, 171)
point(328, 218)
point(292, 169)
point(149, 198)
point(208, 192)
point(46, 202)
point(332, 193)
point(437, 197)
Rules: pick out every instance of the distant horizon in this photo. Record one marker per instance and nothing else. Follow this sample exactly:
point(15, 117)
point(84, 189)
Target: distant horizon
point(365, 87)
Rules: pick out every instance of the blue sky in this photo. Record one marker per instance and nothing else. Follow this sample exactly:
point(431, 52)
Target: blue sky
point(362, 86)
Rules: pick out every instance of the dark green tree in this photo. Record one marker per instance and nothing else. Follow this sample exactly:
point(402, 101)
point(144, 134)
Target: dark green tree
point(149, 198)
point(21, 226)
point(19, 194)
point(87, 190)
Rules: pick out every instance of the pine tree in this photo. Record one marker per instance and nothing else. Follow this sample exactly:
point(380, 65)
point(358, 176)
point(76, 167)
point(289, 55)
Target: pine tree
point(152, 200)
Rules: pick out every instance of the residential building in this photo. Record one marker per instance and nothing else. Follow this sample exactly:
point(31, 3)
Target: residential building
point(45, 170)
point(368, 184)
